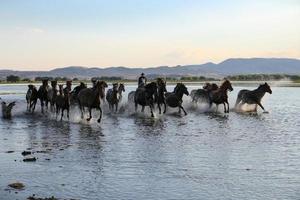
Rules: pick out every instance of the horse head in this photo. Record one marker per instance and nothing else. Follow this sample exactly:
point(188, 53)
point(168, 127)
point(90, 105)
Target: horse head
point(121, 88)
point(100, 87)
point(45, 83)
point(226, 85)
point(266, 87)
point(53, 84)
point(181, 88)
point(161, 84)
point(61, 88)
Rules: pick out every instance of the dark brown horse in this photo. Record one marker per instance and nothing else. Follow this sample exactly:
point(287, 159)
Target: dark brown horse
point(75, 92)
point(174, 99)
point(253, 97)
point(114, 95)
point(43, 95)
point(90, 98)
point(161, 90)
point(62, 102)
point(31, 98)
point(219, 96)
point(145, 96)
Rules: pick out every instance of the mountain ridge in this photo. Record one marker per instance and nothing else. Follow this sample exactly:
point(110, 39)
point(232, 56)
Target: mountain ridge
point(231, 66)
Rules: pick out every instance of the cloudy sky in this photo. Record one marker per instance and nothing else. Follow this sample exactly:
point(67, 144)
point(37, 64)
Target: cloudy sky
point(45, 34)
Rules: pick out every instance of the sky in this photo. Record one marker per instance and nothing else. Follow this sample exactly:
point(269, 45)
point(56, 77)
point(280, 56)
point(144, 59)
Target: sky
point(46, 34)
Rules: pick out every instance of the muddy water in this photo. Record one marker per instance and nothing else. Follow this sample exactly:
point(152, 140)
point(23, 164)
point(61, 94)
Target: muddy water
point(203, 155)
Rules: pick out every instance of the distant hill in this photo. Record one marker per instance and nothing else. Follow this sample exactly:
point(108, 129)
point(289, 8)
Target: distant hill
point(232, 66)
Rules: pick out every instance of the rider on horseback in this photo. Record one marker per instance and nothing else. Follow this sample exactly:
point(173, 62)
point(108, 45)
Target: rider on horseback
point(142, 81)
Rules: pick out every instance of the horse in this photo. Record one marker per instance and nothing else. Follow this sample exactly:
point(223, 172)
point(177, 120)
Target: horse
point(131, 97)
point(90, 98)
point(145, 96)
point(43, 94)
point(174, 99)
point(62, 102)
point(52, 94)
point(114, 95)
point(161, 89)
point(6, 109)
point(219, 96)
point(31, 97)
point(75, 92)
point(200, 93)
point(253, 97)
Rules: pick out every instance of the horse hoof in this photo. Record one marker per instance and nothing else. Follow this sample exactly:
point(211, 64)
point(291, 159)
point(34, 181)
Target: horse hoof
point(88, 119)
point(99, 120)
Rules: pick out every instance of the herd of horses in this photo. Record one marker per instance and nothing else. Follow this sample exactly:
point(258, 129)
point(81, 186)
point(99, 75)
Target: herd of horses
point(152, 94)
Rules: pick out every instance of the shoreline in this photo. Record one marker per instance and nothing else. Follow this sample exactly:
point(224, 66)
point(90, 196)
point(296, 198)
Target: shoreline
point(236, 83)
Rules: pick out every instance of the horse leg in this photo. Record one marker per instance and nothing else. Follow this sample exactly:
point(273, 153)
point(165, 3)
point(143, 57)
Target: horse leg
point(143, 109)
point(136, 106)
point(227, 106)
point(159, 108)
point(90, 112)
point(100, 117)
point(42, 105)
point(62, 114)
point(165, 107)
point(225, 111)
point(116, 107)
point(68, 112)
point(217, 106)
point(180, 107)
point(151, 109)
point(258, 103)
point(81, 109)
point(57, 111)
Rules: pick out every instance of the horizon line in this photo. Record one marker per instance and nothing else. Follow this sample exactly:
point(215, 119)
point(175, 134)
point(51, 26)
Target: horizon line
point(145, 67)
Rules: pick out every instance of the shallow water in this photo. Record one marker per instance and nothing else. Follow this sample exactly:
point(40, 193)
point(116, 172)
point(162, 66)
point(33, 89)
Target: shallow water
point(203, 155)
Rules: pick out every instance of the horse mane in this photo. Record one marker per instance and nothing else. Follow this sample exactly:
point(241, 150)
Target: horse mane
point(225, 83)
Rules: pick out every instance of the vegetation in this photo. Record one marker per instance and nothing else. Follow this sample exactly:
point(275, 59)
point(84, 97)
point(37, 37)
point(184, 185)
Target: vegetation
point(13, 78)
point(264, 77)
point(196, 78)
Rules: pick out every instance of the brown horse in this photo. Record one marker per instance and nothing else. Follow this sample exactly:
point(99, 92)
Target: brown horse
point(174, 99)
point(161, 90)
point(253, 97)
point(90, 98)
point(75, 92)
point(31, 98)
point(62, 102)
point(219, 96)
point(114, 95)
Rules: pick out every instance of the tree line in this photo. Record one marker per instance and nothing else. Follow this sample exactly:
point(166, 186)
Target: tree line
point(247, 77)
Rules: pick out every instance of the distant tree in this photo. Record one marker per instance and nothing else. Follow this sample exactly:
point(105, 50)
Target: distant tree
point(26, 80)
point(75, 79)
point(12, 78)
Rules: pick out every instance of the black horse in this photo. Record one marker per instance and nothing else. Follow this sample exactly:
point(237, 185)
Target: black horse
point(31, 98)
point(43, 95)
point(174, 99)
point(161, 84)
point(253, 97)
point(145, 96)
